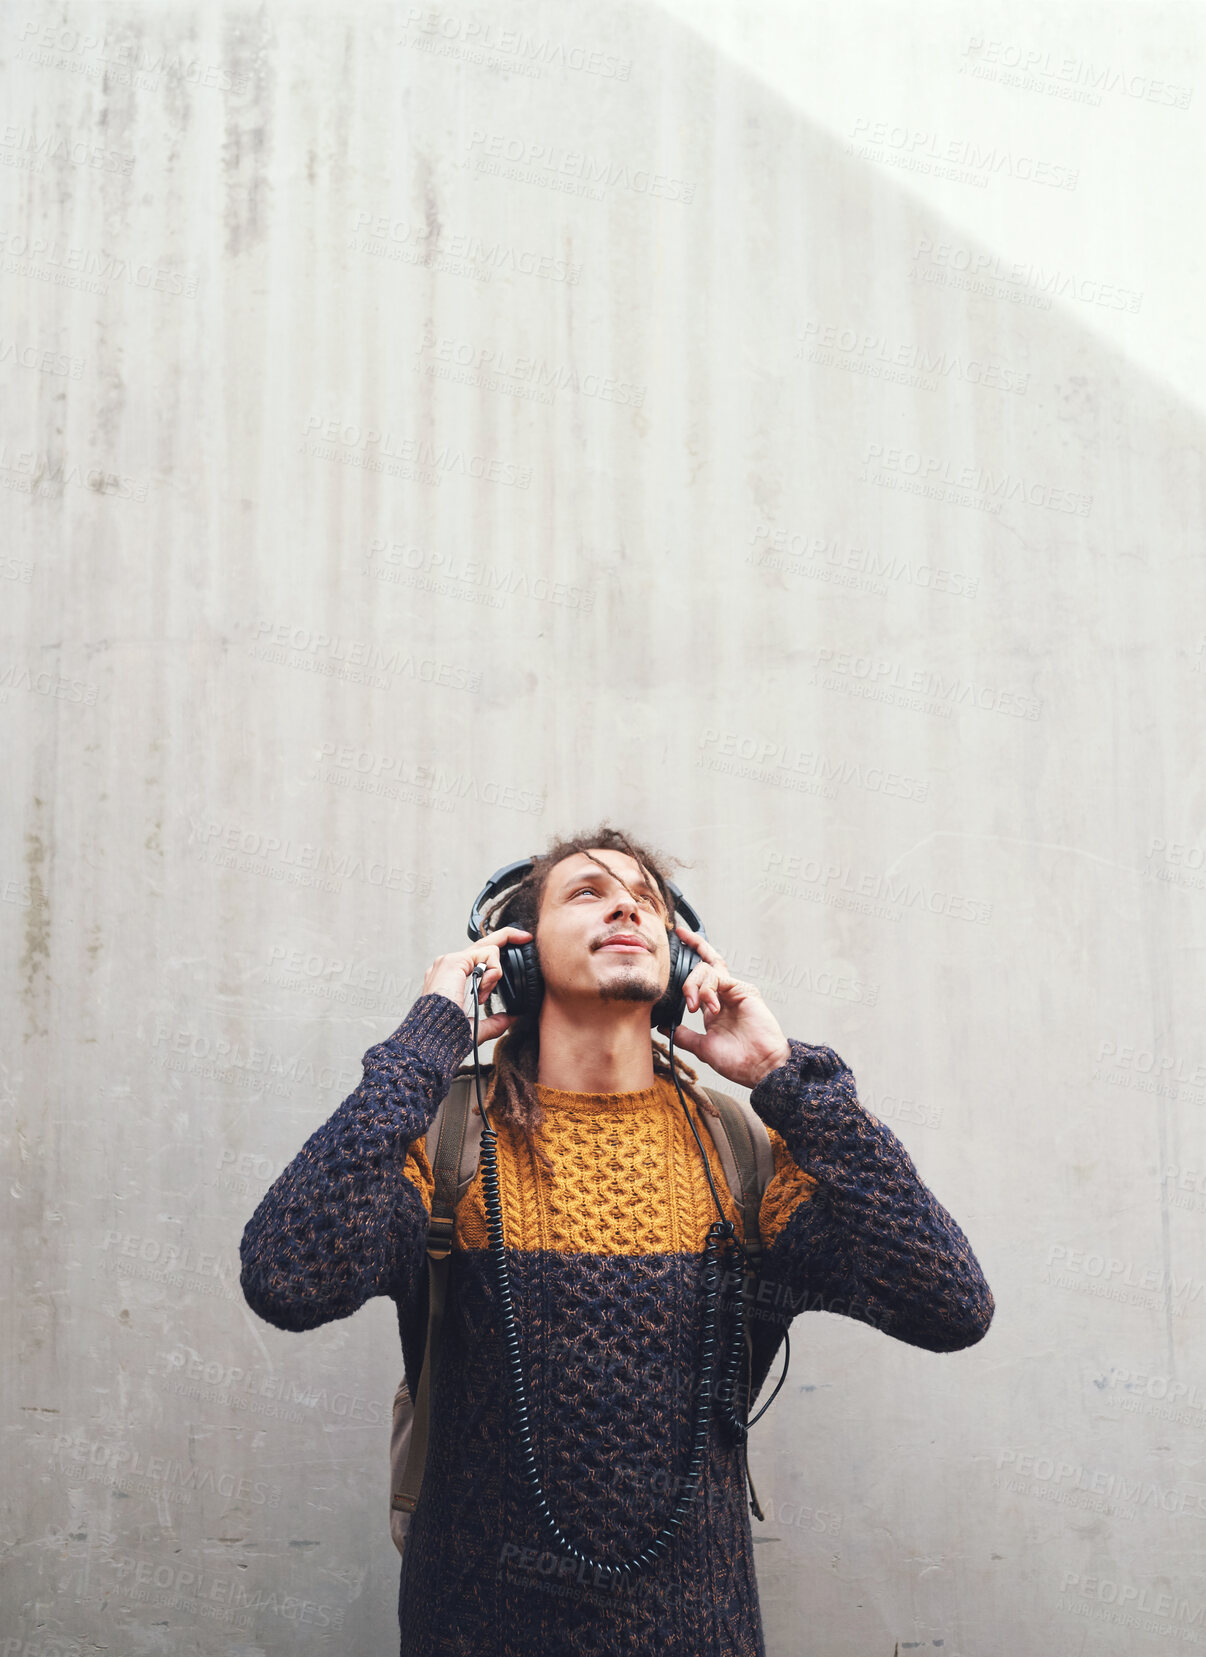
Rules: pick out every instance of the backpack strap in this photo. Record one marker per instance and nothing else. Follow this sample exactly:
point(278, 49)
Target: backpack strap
point(749, 1162)
point(453, 1147)
point(744, 1148)
point(454, 1154)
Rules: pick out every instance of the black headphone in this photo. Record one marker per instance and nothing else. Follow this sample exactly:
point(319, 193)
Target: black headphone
point(522, 986)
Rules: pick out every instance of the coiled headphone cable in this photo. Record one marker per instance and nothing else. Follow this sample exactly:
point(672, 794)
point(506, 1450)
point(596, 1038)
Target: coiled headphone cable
point(732, 1398)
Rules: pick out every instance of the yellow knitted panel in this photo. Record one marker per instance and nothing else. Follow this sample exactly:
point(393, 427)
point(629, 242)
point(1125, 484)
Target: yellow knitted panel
point(417, 1170)
point(626, 1183)
point(623, 1182)
point(786, 1189)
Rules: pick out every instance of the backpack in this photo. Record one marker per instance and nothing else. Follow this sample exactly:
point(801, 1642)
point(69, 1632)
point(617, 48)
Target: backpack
point(453, 1147)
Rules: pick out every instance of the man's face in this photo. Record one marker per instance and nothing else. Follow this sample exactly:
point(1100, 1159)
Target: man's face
point(602, 933)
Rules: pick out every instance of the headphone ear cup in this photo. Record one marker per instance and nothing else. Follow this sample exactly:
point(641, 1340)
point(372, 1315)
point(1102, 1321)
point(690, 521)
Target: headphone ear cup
point(521, 985)
point(672, 1009)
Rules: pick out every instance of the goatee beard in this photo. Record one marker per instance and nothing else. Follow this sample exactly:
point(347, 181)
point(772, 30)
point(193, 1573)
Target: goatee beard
point(633, 986)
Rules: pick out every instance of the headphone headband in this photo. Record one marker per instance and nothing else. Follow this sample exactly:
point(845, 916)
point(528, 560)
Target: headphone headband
point(509, 875)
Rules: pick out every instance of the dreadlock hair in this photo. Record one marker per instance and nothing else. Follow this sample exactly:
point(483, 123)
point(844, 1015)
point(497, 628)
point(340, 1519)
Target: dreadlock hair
point(512, 1094)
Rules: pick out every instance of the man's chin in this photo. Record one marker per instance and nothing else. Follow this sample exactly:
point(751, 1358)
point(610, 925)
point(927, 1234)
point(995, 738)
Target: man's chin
point(630, 985)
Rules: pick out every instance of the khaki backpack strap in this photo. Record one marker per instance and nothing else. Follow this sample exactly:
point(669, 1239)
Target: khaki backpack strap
point(454, 1144)
point(748, 1160)
point(453, 1140)
point(744, 1147)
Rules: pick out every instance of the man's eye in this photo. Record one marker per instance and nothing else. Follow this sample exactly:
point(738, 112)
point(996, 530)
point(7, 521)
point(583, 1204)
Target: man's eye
point(649, 902)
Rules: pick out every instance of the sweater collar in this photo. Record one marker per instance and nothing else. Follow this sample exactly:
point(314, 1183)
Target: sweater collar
point(603, 1104)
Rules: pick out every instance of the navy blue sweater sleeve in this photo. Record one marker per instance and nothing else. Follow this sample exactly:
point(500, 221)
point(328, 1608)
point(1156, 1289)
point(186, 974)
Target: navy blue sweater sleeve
point(332, 1230)
point(872, 1242)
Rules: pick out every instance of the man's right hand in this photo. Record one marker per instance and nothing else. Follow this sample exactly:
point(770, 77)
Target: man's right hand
point(449, 975)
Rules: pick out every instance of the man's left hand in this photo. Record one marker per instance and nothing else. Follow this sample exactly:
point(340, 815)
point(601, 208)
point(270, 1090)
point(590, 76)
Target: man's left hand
point(741, 1039)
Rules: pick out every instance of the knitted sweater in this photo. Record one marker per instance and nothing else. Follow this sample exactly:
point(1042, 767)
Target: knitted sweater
point(605, 1258)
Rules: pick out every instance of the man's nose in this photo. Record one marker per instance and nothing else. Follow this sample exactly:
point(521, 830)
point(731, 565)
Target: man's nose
point(625, 906)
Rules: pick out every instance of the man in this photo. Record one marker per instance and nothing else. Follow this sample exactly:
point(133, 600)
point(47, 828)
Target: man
point(606, 1206)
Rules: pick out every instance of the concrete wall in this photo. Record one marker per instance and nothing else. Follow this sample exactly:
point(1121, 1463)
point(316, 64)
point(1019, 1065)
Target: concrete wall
point(777, 427)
